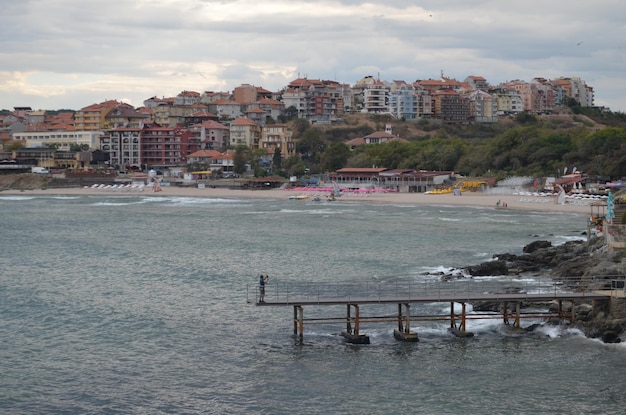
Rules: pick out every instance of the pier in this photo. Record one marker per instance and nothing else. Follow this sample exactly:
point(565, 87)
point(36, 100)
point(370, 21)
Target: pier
point(512, 296)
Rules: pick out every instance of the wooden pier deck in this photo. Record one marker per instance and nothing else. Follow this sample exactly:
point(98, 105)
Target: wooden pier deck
point(509, 293)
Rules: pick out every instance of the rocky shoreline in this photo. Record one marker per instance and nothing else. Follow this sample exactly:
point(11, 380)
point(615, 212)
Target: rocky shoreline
point(588, 263)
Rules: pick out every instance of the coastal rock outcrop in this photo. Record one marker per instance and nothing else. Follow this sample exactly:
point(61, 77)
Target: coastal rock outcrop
point(577, 265)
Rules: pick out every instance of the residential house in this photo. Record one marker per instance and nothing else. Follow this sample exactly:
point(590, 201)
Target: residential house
point(256, 114)
point(187, 98)
point(211, 134)
point(273, 108)
point(213, 160)
point(125, 115)
point(477, 83)
point(377, 137)
point(199, 117)
point(209, 96)
point(246, 132)
point(226, 109)
point(93, 117)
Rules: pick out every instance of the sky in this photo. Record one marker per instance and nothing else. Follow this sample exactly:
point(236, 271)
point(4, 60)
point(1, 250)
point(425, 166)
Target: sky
point(68, 54)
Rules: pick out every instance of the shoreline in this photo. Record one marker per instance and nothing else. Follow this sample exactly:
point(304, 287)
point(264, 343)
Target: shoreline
point(468, 199)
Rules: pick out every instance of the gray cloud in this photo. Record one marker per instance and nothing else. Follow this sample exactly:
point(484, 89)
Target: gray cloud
point(61, 54)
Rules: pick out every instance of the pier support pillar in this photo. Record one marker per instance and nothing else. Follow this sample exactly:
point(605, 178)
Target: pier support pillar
point(460, 331)
point(298, 321)
point(403, 332)
point(351, 333)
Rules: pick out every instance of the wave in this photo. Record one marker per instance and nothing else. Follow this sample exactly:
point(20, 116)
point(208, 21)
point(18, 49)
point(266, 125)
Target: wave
point(17, 198)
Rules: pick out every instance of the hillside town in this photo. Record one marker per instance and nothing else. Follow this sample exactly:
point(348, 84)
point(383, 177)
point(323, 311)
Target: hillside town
point(203, 128)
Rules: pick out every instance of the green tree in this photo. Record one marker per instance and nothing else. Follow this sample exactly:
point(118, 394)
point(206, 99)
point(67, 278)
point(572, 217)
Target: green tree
point(294, 166)
point(335, 157)
point(239, 159)
point(311, 145)
point(277, 159)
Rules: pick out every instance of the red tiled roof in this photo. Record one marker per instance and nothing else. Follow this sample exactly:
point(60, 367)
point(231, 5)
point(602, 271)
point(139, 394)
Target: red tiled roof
point(243, 121)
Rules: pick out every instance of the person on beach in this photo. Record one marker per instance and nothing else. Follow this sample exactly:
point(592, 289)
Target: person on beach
point(263, 280)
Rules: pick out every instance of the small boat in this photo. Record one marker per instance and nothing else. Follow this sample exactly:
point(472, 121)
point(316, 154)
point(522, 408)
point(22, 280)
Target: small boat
point(299, 197)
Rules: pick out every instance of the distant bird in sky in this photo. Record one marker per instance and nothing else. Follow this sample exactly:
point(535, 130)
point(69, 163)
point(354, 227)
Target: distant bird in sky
point(579, 43)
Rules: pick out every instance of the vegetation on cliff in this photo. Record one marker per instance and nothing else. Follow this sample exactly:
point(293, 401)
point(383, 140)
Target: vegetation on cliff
point(525, 145)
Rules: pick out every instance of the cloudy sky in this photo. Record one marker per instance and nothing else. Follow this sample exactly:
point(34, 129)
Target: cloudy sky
point(69, 54)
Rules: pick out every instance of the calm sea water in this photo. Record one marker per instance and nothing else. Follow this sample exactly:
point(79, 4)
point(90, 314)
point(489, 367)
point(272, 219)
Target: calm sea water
point(131, 304)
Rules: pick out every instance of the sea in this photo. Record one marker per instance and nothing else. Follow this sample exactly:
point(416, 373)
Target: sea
point(143, 304)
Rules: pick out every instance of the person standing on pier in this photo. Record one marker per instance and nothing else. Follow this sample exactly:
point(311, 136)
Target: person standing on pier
point(263, 280)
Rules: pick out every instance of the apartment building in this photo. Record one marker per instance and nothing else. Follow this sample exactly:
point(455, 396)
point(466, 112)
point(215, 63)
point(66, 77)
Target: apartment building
point(246, 132)
point(226, 108)
point(403, 101)
point(125, 115)
point(371, 95)
point(151, 145)
point(477, 83)
point(482, 107)
point(508, 101)
point(450, 106)
point(93, 117)
point(315, 100)
point(211, 134)
point(278, 136)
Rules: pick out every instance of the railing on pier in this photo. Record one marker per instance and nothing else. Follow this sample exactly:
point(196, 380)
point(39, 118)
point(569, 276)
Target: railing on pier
point(434, 290)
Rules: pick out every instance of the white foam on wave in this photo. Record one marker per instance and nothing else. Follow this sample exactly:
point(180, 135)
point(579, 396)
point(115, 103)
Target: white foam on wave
point(17, 198)
point(199, 200)
point(312, 211)
point(561, 239)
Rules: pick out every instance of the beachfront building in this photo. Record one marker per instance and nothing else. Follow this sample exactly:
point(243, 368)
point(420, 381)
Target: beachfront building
point(152, 145)
point(62, 139)
point(405, 181)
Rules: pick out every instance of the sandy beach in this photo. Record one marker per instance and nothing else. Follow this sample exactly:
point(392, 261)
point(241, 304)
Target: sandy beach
point(515, 202)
